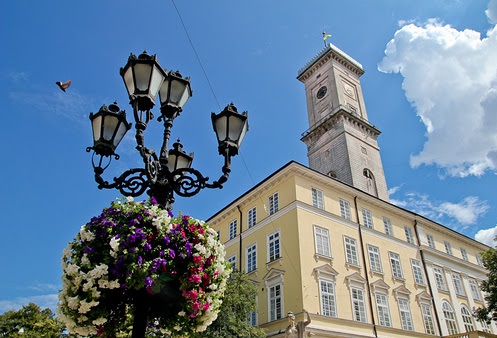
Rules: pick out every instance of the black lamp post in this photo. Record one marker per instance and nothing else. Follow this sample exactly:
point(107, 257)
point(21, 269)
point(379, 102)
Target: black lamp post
point(169, 172)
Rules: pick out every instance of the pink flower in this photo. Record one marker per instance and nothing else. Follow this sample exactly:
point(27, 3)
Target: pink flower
point(195, 278)
point(197, 259)
point(206, 306)
point(196, 306)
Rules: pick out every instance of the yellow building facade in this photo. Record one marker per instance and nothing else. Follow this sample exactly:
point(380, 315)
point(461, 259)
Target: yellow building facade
point(326, 239)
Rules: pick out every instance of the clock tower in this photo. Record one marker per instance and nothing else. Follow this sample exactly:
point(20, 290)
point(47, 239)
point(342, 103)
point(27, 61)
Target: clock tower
point(341, 142)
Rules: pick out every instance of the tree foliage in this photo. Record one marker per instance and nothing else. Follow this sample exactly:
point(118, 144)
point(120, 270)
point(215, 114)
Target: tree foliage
point(30, 322)
point(489, 286)
point(238, 302)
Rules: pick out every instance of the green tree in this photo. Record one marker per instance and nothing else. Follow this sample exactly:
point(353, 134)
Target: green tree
point(238, 302)
point(489, 286)
point(30, 322)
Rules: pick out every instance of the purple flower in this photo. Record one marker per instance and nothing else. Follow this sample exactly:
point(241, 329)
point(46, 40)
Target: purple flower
point(189, 248)
point(166, 240)
point(88, 250)
point(148, 282)
point(170, 213)
point(147, 246)
point(153, 200)
point(172, 254)
point(140, 260)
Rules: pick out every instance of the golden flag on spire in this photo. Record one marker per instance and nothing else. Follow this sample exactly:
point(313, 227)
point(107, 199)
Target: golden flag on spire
point(326, 36)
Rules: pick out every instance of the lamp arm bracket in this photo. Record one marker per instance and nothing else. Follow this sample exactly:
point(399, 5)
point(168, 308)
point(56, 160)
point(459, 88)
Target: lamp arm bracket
point(132, 182)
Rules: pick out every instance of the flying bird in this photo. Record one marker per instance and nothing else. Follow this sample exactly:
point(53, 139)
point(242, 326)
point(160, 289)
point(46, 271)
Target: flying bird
point(63, 86)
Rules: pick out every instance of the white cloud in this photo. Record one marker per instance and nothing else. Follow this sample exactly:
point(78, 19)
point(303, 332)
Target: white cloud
point(450, 78)
point(492, 11)
point(43, 301)
point(487, 236)
point(457, 215)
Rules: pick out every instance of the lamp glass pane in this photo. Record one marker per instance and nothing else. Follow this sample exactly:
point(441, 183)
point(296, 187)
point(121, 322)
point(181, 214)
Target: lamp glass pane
point(120, 134)
point(177, 91)
point(128, 81)
point(157, 79)
point(220, 125)
point(244, 131)
point(96, 124)
point(171, 162)
point(110, 125)
point(236, 126)
point(163, 91)
point(185, 97)
point(182, 162)
point(142, 76)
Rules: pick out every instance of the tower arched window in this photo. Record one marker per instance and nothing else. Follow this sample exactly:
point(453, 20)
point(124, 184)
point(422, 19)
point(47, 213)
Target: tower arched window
point(450, 320)
point(467, 318)
point(370, 182)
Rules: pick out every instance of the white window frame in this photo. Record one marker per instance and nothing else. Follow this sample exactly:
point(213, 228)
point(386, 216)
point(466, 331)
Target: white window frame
point(233, 229)
point(274, 246)
point(405, 314)
point(275, 299)
point(475, 290)
point(417, 272)
point(317, 198)
point(327, 297)
point(252, 217)
point(458, 287)
point(232, 261)
point(387, 224)
point(383, 309)
point(351, 254)
point(374, 259)
point(367, 218)
point(409, 234)
point(273, 203)
point(449, 316)
point(430, 240)
point(448, 247)
point(440, 278)
point(427, 313)
point(345, 209)
point(322, 241)
point(467, 319)
point(396, 265)
point(479, 260)
point(358, 304)
point(251, 254)
point(464, 254)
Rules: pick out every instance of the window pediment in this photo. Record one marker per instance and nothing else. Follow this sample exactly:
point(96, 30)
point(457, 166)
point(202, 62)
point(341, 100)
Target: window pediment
point(355, 279)
point(274, 276)
point(402, 292)
point(423, 297)
point(380, 286)
point(326, 271)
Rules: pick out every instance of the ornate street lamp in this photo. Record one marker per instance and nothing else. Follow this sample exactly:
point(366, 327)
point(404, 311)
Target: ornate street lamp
point(169, 172)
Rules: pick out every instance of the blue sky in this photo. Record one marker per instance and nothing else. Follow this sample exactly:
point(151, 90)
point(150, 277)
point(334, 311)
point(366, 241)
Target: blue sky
point(430, 86)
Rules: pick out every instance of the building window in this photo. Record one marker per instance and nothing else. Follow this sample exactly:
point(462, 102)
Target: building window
point(273, 242)
point(367, 218)
point(328, 301)
point(467, 319)
point(456, 278)
point(464, 254)
point(232, 261)
point(405, 314)
point(409, 234)
point(396, 266)
point(252, 318)
point(417, 272)
point(383, 310)
point(322, 238)
point(273, 203)
point(428, 319)
point(485, 326)
point(275, 302)
point(474, 289)
point(252, 258)
point(233, 226)
point(387, 223)
point(448, 247)
point(431, 241)
point(317, 198)
point(351, 251)
point(345, 209)
point(439, 277)
point(218, 234)
point(370, 181)
point(358, 305)
point(252, 217)
point(479, 260)
point(449, 317)
point(374, 258)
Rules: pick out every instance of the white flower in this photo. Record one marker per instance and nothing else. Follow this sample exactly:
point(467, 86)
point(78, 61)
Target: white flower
point(85, 261)
point(129, 199)
point(114, 243)
point(181, 313)
point(100, 321)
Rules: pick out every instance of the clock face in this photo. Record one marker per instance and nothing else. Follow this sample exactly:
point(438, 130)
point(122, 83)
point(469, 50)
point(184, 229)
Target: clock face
point(322, 92)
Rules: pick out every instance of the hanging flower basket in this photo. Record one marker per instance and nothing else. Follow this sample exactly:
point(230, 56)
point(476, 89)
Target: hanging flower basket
point(137, 255)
